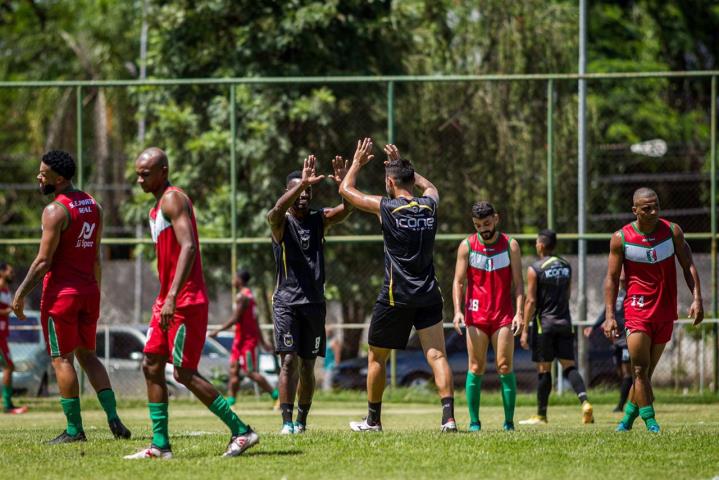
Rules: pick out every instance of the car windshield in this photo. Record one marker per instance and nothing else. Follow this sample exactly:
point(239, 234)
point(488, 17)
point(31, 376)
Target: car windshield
point(27, 331)
point(213, 348)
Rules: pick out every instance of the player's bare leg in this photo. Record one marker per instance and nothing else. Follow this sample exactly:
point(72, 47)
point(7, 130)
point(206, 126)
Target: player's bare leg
point(651, 356)
point(69, 399)
point(8, 405)
point(261, 382)
point(432, 340)
point(503, 344)
point(289, 377)
point(233, 384)
point(305, 392)
point(100, 381)
point(544, 388)
point(376, 380)
point(477, 345)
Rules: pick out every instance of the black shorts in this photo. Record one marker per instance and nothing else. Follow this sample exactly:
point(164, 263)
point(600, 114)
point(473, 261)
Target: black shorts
point(547, 346)
point(300, 329)
point(391, 326)
point(621, 355)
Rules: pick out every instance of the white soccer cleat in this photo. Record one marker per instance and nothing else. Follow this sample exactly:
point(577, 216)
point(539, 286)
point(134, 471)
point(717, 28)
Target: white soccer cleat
point(239, 443)
point(152, 453)
point(363, 426)
point(287, 429)
point(450, 426)
point(300, 429)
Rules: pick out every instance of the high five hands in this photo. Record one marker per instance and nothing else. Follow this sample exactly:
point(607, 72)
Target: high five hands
point(309, 172)
point(340, 168)
point(363, 154)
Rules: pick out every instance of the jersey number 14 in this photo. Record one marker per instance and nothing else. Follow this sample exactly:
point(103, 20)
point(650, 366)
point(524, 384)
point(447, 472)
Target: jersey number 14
point(638, 301)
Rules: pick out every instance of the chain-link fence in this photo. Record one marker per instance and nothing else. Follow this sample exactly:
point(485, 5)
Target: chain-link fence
point(231, 142)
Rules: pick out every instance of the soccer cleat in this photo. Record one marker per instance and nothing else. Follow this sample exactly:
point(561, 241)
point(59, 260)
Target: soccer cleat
point(288, 428)
point(151, 452)
point(618, 409)
point(363, 426)
point(239, 443)
point(119, 430)
point(65, 437)
point(276, 405)
point(587, 413)
point(535, 420)
point(16, 410)
point(622, 427)
point(475, 427)
point(508, 426)
point(300, 428)
point(654, 428)
point(450, 426)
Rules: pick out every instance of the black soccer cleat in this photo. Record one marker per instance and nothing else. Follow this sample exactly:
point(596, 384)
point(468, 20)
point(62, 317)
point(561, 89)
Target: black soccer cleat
point(119, 430)
point(65, 437)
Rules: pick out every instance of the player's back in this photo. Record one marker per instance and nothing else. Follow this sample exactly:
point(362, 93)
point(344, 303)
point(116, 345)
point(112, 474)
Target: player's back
point(73, 265)
point(409, 227)
point(554, 276)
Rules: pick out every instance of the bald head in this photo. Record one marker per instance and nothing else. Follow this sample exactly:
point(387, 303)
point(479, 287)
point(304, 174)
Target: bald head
point(644, 193)
point(153, 157)
point(152, 170)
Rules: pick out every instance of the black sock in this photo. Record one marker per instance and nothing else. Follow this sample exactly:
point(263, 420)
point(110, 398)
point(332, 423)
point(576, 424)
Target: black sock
point(572, 374)
point(624, 391)
point(544, 388)
point(374, 413)
point(287, 412)
point(447, 409)
point(302, 411)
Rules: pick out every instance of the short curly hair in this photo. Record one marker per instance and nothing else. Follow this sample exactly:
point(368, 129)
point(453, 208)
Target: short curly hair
point(483, 210)
point(60, 162)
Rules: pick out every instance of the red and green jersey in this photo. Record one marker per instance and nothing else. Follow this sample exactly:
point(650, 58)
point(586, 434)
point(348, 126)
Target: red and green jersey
point(246, 329)
point(193, 292)
point(5, 302)
point(489, 281)
point(650, 273)
point(73, 264)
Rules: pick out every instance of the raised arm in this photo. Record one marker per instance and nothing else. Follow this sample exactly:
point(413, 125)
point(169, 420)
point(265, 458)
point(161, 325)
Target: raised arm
point(276, 216)
point(530, 305)
point(691, 276)
point(242, 304)
point(611, 284)
point(459, 285)
point(348, 190)
point(54, 221)
point(340, 212)
point(425, 186)
point(515, 256)
point(176, 208)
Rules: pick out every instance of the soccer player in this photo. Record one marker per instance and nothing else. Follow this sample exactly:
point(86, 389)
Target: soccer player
point(6, 277)
point(410, 296)
point(179, 316)
point(488, 269)
point(621, 352)
point(68, 263)
point(645, 249)
point(547, 308)
point(248, 337)
point(298, 306)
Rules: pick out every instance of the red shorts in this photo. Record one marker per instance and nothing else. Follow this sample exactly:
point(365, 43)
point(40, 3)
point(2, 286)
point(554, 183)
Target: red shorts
point(246, 356)
point(489, 327)
point(69, 322)
point(184, 340)
point(5, 360)
point(659, 332)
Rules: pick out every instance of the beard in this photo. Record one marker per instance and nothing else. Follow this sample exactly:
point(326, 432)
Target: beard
point(488, 235)
point(47, 189)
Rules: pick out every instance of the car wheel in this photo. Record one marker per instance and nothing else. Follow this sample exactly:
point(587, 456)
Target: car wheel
point(417, 380)
point(42, 390)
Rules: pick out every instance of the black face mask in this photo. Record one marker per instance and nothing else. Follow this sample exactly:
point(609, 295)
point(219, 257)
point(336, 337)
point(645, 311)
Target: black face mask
point(47, 189)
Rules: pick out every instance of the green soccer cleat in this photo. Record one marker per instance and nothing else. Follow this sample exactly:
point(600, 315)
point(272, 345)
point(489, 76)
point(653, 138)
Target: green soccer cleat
point(622, 427)
point(288, 428)
point(508, 426)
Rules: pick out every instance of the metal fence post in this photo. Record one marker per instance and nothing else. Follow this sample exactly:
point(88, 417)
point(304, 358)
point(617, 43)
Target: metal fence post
point(78, 133)
point(390, 139)
point(713, 161)
point(550, 154)
point(233, 183)
point(582, 187)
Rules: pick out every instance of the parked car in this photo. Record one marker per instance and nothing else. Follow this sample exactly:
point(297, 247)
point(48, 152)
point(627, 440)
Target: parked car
point(33, 371)
point(268, 364)
point(413, 370)
point(120, 348)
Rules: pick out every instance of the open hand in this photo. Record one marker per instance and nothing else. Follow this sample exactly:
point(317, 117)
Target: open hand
point(340, 167)
point(309, 171)
point(392, 153)
point(363, 154)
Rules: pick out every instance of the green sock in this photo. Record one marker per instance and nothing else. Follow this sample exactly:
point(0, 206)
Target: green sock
point(647, 414)
point(631, 412)
point(71, 407)
point(275, 394)
point(509, 395)
point(109, 404)
point(473, 390)
point(7, 396)
point(231, 400)
point(221, 408)
point(159, 417)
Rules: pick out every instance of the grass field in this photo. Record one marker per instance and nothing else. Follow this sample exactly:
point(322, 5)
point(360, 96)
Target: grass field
point(410, 447)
